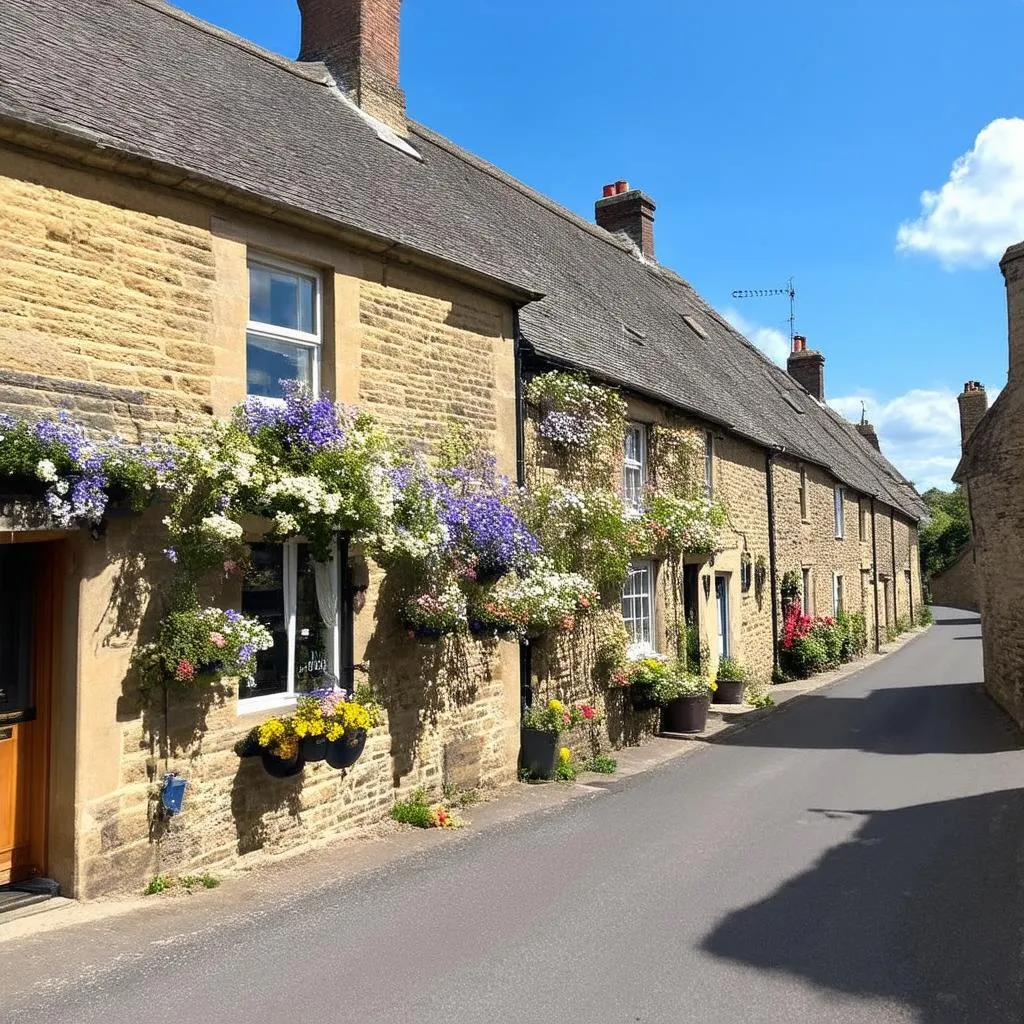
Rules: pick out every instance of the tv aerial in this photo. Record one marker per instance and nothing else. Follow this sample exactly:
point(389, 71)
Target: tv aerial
point(767, 293)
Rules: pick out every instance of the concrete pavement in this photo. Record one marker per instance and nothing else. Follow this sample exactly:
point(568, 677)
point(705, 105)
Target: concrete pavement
point(857, 857)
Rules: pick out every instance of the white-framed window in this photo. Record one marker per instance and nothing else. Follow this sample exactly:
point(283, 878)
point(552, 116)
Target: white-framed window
point(299, 601)
point(808, 593)
point(638, 608)
point(803, 494)
point(284, 336)
point(634, 464)
point(837, 497)
point(837, 593)
point(709, 464)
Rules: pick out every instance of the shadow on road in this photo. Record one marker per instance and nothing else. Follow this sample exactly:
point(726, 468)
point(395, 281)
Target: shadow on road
point(940, 719)
point(972, 621)
point(923, 905)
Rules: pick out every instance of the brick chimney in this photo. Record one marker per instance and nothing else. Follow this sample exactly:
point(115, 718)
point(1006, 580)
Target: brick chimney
point(973, 403)
point(358, 41)
point(630, 212)
point(807, 367)
point(1012, 266)
point(867, 430)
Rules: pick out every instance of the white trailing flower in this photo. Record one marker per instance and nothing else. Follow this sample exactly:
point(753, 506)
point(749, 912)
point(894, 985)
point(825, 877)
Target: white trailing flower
point(46, 471)
point(221, 528)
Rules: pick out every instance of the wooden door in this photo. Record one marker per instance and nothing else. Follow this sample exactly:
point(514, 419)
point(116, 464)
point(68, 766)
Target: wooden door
point(27, 600)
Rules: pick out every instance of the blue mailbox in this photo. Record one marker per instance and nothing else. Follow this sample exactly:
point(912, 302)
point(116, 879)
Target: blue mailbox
point(172, 793)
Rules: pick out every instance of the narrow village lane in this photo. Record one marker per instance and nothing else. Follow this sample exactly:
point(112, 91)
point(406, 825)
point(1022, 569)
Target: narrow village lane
point(855, 857)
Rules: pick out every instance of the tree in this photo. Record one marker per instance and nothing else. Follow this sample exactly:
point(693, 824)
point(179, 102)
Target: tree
point(948, 531)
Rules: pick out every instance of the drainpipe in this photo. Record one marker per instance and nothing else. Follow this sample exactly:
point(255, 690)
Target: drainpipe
point(895, 582)
point(874, 575)
point(525, 651)
point(769, 488)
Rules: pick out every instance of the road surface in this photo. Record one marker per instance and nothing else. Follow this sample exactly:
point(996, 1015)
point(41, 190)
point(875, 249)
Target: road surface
point(856, 857)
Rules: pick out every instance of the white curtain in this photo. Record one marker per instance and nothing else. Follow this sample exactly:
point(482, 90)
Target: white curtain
point(327, 599)
point(289, 588)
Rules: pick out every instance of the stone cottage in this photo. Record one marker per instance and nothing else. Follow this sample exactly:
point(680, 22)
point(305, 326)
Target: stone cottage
point(190, 219)
point(990, 472)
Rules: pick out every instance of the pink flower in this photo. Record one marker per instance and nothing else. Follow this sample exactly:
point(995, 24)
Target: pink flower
point(230, 566)
point(185, 671)
point(217, 639)
point(587, 711)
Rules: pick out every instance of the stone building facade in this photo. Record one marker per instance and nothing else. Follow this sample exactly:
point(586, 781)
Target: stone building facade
point(129, 250)
point(992, 476)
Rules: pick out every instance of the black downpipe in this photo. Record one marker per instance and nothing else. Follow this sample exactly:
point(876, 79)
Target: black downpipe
point(895, 581)
point(769, 486)
point(525, 650)
point(910, 578)
point(874, 576)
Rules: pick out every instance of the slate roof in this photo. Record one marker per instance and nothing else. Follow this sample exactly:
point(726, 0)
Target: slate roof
point(142, 78)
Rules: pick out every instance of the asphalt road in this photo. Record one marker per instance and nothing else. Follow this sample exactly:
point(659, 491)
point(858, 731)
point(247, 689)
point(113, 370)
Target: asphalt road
point(856, 857)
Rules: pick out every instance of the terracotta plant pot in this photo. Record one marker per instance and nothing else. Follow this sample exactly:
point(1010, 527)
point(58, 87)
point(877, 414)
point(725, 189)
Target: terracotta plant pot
point(538, 753)
point(345, 752)
point(685, 714)
point(729, 692)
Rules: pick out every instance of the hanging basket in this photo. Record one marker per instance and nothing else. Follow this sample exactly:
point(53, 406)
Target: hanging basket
point(313, 748)
point(345, 752)
point(279, 768)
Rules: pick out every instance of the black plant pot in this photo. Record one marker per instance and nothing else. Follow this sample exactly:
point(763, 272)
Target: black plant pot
point(685, 714)
point(313, 748)
point(642, 699)
point(279, 767)
point(345, 752)
point(729, 692)
point(538, 753)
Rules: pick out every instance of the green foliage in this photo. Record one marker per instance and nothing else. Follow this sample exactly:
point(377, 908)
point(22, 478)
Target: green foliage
point(601, 764)
point(730, 671)
point(791, 587)
point(942, 539)
point(698, 653)
point(414, 811)
point(854, 635)
point(191, 882)
point(890, 634)
point(676, 457)
point(565, 771)
point(158, 884)
point(903, 624)
point(925, 616)
point(761, 700)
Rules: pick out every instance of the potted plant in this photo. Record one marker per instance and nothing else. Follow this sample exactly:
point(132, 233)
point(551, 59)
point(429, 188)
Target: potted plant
point(686, 709)
point(279, 748)
point(541, 727)
point(644, 677)
point(731, 680)
point(347, 724)
point(435, 612)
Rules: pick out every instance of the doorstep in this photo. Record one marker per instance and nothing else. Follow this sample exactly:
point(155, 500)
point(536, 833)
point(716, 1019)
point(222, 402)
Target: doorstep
point(28, 898)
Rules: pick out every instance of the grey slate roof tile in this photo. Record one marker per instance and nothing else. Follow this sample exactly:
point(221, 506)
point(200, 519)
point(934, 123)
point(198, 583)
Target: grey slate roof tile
point(141, 77)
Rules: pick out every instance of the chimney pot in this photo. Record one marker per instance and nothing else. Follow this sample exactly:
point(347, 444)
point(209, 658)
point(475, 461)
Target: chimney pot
point(973, 404)
point(358, 42)
point(628, 212)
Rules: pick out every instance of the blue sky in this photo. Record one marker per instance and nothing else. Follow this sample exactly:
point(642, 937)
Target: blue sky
point(795, 138)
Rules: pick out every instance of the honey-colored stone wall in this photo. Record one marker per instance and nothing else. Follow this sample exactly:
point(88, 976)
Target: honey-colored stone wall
point(128, 305)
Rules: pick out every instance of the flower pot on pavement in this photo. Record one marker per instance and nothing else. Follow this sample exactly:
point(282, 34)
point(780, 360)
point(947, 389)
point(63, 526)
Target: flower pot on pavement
point(538, 752)
point(685, 714)
point(729, 692)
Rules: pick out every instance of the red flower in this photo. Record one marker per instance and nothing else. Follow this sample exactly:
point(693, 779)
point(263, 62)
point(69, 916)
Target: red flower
point(184, 672)
point(587, 711)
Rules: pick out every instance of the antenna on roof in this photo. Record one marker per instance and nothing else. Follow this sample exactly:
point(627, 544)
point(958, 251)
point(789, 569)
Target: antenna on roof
point(766, 293)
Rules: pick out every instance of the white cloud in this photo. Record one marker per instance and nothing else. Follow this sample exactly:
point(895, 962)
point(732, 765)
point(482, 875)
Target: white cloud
point(773, 343)
point(919, 431)
point(979, 212)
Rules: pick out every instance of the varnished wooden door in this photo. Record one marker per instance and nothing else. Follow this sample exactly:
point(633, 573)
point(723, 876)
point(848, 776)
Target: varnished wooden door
point(28, 582)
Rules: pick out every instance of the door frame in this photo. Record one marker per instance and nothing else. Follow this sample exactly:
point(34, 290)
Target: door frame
point(723, 616)
point(45, 641)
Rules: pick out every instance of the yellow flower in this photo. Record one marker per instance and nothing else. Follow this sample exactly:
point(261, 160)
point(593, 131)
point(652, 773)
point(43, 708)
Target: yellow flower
point(565, 755)
point(301, 728)
point(556, 705)
point(270, 732)
point(712, 686)
point(334, 732)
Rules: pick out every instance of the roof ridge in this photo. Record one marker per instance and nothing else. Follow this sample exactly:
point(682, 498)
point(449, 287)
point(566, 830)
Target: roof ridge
point(301, 69)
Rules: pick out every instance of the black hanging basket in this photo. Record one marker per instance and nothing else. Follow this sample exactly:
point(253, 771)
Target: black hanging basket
point(729, 692)
point(249, 745)
point(345, 752)
point(685, 714)
point(281, 768)
point(313, 748)
point(538, 753)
